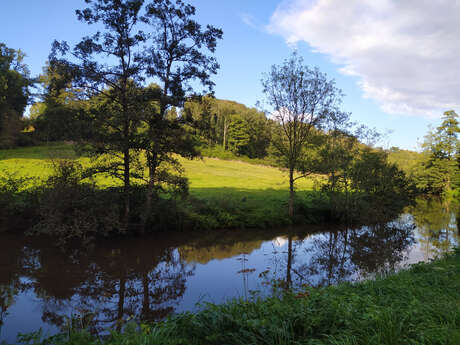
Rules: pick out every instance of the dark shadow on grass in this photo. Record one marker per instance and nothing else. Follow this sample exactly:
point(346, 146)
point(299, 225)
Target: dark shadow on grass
point(249, 195)
point(269, 207)
point(237, 207)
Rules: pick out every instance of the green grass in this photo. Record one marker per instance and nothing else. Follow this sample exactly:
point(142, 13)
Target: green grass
point(417, 306)
point(203, 173)
point(247, 194)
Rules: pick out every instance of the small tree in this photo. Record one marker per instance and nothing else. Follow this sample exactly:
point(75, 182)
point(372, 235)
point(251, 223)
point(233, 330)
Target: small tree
point(337, 148)
point(302, 98)
point(58, 115)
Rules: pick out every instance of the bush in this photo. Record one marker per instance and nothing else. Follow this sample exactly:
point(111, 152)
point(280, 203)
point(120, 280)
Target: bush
point(70, 208)
point(17, 203)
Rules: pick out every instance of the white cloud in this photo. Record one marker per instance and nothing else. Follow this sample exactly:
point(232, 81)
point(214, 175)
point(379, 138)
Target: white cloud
point(249, 20)
point(406, 53)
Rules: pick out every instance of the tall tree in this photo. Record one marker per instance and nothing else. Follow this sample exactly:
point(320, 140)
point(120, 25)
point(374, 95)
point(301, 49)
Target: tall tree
point(238, 134)
point(14, 93)
point(440, 172)
point(108, 65)
point(110, 68)
point(302, 98)
point(179, 55)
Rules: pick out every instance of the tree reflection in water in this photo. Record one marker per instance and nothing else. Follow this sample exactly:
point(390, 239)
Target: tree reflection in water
point(336, 256)
point(437, 222)
point(106, 287)
point(146, 279)
point(10, 266)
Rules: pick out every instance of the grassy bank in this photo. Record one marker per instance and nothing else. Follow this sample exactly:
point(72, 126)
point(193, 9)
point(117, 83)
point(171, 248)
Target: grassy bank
point(417, 306)
point(223, 193)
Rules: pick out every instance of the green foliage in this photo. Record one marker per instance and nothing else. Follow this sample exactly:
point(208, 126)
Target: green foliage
point(70, 209)
point(440, 173)
point(379, 187)
point(302, 99)
point(16, 201)
point(361, 183)
point(243, 131)
point(60, 115)
point(406, 160)
point(14, 94)
point(238, 135)
point(416, 306)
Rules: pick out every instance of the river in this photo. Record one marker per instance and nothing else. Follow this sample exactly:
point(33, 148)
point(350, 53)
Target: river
point(109, 282)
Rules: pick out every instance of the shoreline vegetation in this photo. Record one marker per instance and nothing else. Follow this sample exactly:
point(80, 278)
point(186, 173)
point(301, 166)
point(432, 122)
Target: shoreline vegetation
point(419, 305)
point(45, 188)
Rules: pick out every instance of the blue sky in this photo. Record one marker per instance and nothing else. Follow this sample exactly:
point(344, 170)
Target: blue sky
point(258, 34)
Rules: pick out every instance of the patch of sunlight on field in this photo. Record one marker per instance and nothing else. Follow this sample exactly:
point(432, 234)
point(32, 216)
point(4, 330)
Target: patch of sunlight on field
point(206, 173)
point(215, 173)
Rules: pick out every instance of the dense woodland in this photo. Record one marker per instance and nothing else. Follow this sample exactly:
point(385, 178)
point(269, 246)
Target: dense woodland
point(134, 130)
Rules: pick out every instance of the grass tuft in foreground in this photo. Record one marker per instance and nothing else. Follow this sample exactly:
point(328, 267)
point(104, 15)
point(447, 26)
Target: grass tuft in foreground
point(417, 306)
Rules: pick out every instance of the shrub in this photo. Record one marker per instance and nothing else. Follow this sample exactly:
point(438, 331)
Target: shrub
point(70, 208)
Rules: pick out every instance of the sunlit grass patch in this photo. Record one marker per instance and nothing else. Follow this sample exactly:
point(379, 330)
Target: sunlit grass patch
point(205, 173)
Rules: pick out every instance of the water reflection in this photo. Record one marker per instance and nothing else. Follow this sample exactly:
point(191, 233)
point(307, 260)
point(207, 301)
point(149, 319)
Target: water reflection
point(149, 278)
point(437, 223)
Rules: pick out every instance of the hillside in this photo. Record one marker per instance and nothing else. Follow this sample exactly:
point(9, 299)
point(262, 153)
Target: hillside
point(405, 159)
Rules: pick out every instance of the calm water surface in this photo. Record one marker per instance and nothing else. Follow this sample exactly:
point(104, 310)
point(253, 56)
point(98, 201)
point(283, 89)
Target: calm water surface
point(42, 286)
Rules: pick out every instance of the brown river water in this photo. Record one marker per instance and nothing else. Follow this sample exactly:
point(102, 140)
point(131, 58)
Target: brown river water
point(112, 281)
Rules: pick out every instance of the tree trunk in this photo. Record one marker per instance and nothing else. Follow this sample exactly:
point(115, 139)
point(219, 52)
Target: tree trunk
point(291, 192)
point(145, 313)
point(289, 262)
point(126, 191)
point(121, 302)
point(224, 142)
point(152, 164)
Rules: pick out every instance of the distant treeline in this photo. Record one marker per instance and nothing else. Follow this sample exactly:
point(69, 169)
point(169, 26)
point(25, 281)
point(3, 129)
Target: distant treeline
point(221, 124)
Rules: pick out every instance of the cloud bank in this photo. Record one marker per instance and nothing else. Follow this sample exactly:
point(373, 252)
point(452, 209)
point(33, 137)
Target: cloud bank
point(406, 53)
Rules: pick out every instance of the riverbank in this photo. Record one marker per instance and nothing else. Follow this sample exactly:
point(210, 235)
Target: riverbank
point(420, 305)
point(44, 187)
point(222, 194)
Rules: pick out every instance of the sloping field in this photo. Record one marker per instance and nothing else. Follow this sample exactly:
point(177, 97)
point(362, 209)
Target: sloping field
point(206, 175)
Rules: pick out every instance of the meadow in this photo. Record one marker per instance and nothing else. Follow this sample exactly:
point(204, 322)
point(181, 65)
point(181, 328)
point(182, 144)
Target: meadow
point(250, 194)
